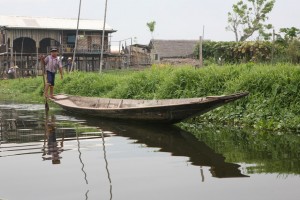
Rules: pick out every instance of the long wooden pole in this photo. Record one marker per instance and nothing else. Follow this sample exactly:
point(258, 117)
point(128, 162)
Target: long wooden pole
point(200, 53)
point(201, 49)
point(44, 81)
point(76, 39)
point(273, 47)
point(103, 35)
point(37, 61)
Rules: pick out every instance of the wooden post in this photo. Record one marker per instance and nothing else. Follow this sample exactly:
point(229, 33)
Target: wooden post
point(11, 57)
point(200, 52)
point(15, 58)
point(201, 48)
point(273, 48)
point(103, 35)
point(22, 53)
point(76, 39)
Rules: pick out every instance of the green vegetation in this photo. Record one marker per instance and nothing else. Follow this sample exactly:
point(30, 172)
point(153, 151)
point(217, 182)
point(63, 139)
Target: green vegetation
point(249, 17)
point(22, 90)
point(285, 47)
point(151, 26)
point(273, 103)
point(253, 51)
point(271, 153)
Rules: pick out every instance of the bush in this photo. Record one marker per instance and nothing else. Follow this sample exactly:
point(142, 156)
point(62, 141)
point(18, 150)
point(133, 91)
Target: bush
point(242, 52)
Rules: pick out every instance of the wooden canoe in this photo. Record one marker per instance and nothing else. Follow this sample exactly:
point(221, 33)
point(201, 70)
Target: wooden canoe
point(155, 111)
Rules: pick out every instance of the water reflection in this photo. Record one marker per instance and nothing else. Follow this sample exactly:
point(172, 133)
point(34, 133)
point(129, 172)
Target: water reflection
point(54, 148)
point(28, 127)
point(82, 164)
point(101, 154)
point(176, 141)
point(266, 152)
point(106, 165)
point(35, 131)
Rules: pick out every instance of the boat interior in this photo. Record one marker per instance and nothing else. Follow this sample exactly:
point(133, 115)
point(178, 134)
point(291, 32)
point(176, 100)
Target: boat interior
point(94, 102)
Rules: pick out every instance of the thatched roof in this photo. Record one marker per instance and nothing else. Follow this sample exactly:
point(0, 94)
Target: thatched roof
point(173, 48)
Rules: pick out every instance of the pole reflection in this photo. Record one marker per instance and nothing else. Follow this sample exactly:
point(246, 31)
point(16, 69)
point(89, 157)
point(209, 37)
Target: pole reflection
point(80, 159)
point(54, 148)
point(82, 165)
point(106, 165)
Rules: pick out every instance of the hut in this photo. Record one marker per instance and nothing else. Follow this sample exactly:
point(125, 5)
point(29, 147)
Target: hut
point(173, 51)
point(23, 39)
point(139, 55)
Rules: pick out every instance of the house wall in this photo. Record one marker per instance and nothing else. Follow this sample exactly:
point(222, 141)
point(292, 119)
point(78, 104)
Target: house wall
point(155, 57)
point(89, 42)
point(36, 35)
point(2, 42)
point(22, 47)
point(86, 40)
point(138, 58)
point(2, 38)
point(171, 49)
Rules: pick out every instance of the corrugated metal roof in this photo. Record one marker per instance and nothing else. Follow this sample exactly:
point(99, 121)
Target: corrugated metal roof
point(52, 23)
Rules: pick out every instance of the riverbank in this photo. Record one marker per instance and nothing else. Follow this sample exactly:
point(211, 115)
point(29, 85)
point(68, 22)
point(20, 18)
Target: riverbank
point(273, 103)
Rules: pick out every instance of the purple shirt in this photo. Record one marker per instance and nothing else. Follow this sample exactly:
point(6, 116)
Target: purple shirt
point(52, 64)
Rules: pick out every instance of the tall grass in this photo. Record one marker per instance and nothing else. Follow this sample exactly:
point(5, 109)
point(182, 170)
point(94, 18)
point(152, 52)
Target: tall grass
point(22, 90)
point(274, 97)
point(273, 103)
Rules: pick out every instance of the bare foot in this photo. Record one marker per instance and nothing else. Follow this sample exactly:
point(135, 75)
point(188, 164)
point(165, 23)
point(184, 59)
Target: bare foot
point(52, 97)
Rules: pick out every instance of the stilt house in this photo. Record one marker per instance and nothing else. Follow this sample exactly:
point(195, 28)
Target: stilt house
point(23, 39)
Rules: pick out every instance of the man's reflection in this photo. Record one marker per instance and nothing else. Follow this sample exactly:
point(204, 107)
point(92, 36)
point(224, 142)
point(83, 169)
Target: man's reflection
point(52, 150)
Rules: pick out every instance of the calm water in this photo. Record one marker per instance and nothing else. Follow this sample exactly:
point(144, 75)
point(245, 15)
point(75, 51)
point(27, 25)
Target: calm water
point(61, 157)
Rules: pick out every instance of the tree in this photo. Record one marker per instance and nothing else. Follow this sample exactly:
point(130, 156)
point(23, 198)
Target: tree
point(290, 40)
point(151, 26)
point(249, 17)
point(290, 33)
point(293, 51)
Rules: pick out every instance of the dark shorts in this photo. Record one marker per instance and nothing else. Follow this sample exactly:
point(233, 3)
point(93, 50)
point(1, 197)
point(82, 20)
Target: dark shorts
point(50, 78)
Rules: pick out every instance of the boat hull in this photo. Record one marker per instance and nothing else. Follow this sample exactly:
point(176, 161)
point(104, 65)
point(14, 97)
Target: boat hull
point(169, 114)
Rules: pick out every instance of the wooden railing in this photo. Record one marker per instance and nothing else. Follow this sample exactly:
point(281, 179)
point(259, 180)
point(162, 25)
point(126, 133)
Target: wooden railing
point(95, 49)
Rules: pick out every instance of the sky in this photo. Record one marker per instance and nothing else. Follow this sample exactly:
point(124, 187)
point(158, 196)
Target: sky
point(175, 19)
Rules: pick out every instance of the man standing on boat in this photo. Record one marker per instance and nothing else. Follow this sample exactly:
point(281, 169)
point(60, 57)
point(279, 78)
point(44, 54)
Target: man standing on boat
point(51, 63)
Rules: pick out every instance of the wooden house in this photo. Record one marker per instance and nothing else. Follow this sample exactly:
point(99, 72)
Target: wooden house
point(23, 39)
point(139, 55)
point(164, 50)
point(133, 56)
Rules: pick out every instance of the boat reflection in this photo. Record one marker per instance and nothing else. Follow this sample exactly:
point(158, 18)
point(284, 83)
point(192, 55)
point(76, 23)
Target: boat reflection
point(28, 130)
point(176, 141)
